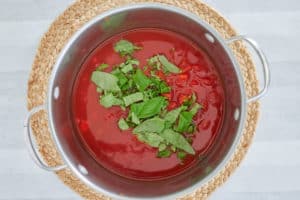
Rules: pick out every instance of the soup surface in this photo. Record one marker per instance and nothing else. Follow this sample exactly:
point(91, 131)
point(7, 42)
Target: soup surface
point(120, 151)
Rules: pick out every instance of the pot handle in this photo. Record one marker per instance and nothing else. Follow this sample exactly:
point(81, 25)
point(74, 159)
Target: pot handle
point(31, 145)
point(263, 60)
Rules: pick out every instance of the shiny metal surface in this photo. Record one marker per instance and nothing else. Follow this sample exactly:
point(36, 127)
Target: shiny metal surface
point(64, 73)
point(33, 151)
point(264, 62)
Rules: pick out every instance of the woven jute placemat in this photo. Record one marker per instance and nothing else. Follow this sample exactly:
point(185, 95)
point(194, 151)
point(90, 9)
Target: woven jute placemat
point(60, 32)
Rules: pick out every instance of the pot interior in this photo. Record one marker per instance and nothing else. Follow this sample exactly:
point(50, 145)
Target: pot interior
point(68, 66)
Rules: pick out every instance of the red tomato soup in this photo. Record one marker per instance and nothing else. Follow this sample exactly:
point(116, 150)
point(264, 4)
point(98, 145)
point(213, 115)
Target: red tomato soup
point(120, 151)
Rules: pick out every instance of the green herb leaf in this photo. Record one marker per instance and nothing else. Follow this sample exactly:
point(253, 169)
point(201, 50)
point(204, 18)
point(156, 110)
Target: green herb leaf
point(190, 101)
point(181, 155)
point(133, 62)
point(168, 124)
point(164, 88)
point(162, 147)
point(173, 148)
point(126, 68)
point(152, 73)
point(190, 140)
point(124, 47)
point(105, 81)
point(194, 98)
point(110, 100)
point(172, 115)
point(185, 120)
point(132, 98)
point(141, 80)
point(150, 93)
point(160, 85)
point(102, 67)
point(152, 139)
point(122, 78)
point(153, 125)
point(123, 124)
point(177, 140)
point(148, 108)
point(99, 90)
point(135, 119)
point(167, 65)
point(154, 62)
point(195, 109)
point(156, 81)
point(191, 128)
point(130, 83)
point(164, 154)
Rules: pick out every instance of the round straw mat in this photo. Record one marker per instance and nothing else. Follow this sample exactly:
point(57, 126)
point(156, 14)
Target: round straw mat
point(75, 17)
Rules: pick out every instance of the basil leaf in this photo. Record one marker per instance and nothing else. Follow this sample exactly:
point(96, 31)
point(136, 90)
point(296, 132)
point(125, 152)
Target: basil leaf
point(150, 94)
point(148, 108)
point(132, 98)
point(128, 65)
point(152, 139)
point(164, 88)
point(124, 47)
point(168, 124)
point(190, 101)
point(130, 83)
point(156, 81)
point(190, 140)
point(177, 140)
point(133, 62)
point(102, 67)
point(152, 73)
point(105, 81)
point(185, 120)
point(141, 80)
point(167, 65)
point(191, 129)
point(99, 90)
point(110, 100)
point(173, 148)
point(181, 155)
point(172, 115)
point(135, 119)
point(126, 68)
point(122, 78)
point(195, 109)
point(160, 85)
point(123, 124)
point(154, 62)
point(164, 154)
point(153, 125)
point(194, 98)
point(162, 147)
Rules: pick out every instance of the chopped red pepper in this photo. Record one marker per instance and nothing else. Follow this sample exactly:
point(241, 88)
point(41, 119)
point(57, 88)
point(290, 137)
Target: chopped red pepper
point(187, 69)
point(184, 77)
point(167, 95)
point(172, 105)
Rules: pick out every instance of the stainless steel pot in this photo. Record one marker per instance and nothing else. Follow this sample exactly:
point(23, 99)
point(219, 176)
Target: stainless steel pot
point(98, 30)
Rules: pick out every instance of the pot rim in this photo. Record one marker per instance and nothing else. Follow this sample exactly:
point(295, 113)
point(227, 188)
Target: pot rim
point(227, 49)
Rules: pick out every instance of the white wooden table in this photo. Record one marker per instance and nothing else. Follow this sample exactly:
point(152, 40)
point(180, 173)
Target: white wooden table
point(271, 169)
